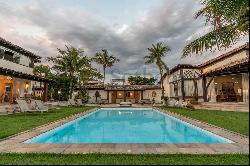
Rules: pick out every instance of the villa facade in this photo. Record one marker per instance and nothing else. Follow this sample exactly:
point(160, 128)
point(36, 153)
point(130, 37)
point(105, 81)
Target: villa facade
point(222, 79)
point(16, 72)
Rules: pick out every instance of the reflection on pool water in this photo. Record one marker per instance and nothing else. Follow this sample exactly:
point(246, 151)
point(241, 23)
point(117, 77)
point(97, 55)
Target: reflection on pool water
point(128, 125)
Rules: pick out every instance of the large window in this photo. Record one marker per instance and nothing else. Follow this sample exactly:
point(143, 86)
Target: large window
point(1, 53)
point(24, 60)
point(176, 89)
point(8, 56)
point(16, 58)
point(130, 94)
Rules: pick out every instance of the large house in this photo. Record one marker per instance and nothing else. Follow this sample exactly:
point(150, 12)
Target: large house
point(16, 72)
point(222, 79)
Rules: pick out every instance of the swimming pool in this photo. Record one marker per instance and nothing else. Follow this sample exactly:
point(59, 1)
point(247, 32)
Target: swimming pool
point(127, 125)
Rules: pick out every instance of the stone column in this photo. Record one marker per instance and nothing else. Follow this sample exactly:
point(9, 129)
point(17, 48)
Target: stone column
point(245, 87)
point(45, 92)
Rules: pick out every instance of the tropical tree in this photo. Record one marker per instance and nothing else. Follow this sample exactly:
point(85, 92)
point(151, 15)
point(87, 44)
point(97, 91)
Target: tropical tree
point(106, 60)
point(156, 53)
point(229, 20)
point(138, 80)
point(71, 62)
point(42, 70)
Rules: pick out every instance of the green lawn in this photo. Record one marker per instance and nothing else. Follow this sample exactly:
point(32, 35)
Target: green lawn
point(115, 159)
point(234, 121)
point(15, 123)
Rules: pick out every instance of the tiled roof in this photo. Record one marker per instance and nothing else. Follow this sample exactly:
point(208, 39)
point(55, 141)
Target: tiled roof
point(227, 67)
point(121, 87)
point(9, 72)
point(225, 55)
point(17, 48)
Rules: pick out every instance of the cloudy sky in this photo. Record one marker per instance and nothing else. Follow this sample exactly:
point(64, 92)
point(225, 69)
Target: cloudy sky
point(125, 27)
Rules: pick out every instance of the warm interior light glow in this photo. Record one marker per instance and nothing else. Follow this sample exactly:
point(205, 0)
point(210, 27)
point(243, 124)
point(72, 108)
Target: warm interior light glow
point(27, 85)
point(9, 78)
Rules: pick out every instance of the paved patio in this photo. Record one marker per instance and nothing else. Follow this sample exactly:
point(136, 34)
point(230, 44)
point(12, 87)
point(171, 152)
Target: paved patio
point(14, 143)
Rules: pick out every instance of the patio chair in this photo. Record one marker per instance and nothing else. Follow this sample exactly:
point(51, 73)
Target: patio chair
point(25, 108)
point(40, 105)
point(178, 104)
point(72, 102)
point(63, 103)
point(79, 102)
point(125, 104)
point(172, 102)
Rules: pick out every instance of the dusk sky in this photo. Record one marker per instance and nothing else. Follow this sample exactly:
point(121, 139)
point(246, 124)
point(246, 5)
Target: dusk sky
point(125, 27)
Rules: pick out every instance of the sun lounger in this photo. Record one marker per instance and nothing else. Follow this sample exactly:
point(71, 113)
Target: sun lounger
point(145, 101)
point(79, 102)
point(72, 102)
point(125, 104)
point(40, 105)
point(25, 108)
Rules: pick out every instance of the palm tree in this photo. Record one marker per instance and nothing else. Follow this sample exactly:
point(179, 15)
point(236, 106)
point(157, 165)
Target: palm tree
point(106, 60)
point(230, 21)
point(156, 53)
point(72, 63)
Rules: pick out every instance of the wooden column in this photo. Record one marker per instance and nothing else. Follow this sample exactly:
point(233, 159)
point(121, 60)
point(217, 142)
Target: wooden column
point(204, 83)
point(124, 95)
point(108, 96)
point(45, 92)
point(141, 95)
point(182, 85)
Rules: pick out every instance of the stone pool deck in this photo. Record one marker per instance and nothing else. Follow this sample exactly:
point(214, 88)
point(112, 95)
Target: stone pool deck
point(14, 143)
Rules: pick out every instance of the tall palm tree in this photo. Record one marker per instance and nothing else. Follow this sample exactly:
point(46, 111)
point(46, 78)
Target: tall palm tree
point(106, 60)
point(156, 53)
point(230, 21)
point(70, 62)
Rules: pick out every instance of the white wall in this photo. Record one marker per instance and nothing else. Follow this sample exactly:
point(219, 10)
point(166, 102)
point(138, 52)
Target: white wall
point(16, 67)
point(92, 95)
point(245, 87)
point(147, 94)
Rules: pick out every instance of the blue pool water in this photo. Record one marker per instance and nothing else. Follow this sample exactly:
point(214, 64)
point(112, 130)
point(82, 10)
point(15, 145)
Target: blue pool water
point(127, 125)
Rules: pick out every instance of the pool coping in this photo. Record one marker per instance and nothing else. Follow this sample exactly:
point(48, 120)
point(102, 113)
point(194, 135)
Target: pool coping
point(14, 144)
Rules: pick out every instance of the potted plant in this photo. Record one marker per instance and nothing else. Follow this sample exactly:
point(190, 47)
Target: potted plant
point(165, 100)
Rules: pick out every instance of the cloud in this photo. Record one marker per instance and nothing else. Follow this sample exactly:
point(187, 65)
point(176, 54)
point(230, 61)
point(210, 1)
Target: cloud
point(40, 28)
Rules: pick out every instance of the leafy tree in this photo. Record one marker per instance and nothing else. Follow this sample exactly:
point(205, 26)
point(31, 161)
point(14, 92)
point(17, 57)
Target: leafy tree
point(97, 95)
point(71, 62)
point(138, 80)
point(156, 53)
point(230, 21)
point(106, 60)
point(42, 70)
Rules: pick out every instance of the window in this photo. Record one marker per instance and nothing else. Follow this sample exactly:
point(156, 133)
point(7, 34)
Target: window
point(16, 58)
point(31, 63)
point(1, 53)
point(176, 89)
point(8, 56)
point(154, 94)
point(129, 95)
point(24, 60)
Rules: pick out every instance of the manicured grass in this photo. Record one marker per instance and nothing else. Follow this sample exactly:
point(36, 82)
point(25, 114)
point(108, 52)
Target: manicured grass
point(115, 159)
point(15, 123)
point(234, 121)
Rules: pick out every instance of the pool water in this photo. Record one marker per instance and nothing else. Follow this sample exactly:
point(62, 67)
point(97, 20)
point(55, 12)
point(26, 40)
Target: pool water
point(128, 125)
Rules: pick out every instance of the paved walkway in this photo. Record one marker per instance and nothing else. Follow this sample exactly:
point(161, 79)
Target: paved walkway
point(224, 106)
point(14, 143)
